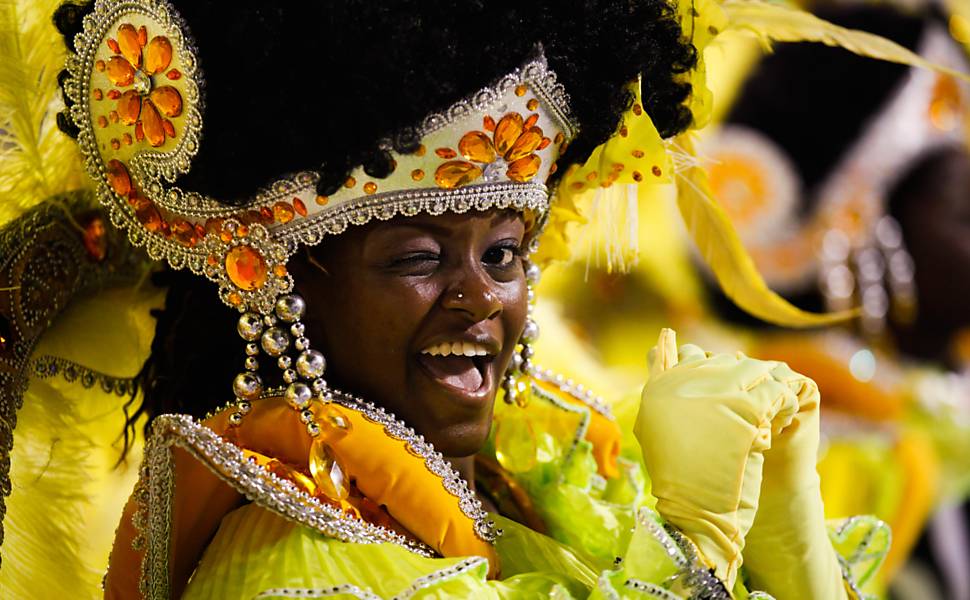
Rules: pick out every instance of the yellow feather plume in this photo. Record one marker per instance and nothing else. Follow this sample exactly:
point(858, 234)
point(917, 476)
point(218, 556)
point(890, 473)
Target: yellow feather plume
point(721, 248)
point(770, 22)
point(37, 161)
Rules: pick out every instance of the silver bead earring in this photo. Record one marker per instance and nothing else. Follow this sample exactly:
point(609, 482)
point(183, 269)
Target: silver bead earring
point(514, 383)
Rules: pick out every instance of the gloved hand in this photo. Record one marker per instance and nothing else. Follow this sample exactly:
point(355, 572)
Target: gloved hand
point(788, 552)
point(704, 425)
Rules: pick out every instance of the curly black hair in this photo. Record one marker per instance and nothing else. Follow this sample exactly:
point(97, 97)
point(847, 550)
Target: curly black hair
point(317, 86)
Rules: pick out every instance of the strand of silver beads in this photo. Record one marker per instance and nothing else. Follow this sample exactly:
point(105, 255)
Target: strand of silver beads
point(512, 384)
point(303, 376)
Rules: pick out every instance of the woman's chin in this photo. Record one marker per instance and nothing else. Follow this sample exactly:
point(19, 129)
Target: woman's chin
point(460, 439)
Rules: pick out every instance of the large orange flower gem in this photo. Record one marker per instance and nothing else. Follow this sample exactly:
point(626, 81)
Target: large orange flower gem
point(510, 149)
point(139, 64)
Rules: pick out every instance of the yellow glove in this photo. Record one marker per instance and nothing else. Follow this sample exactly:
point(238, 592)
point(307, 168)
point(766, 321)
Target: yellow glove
point(704, 424)
point(788, 552)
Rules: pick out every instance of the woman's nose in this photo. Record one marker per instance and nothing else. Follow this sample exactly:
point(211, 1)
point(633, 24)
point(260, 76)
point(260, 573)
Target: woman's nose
point(473, 294)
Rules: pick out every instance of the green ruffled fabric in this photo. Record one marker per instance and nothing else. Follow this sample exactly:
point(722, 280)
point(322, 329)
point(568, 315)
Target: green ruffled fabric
point(605, 540)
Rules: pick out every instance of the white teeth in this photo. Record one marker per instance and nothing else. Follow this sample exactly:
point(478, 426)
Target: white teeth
point(456, 348)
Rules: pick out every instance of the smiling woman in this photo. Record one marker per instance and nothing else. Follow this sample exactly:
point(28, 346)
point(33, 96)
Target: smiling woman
point(367, 185)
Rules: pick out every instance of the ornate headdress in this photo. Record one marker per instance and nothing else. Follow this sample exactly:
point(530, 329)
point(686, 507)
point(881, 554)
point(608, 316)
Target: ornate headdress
point(848, 244)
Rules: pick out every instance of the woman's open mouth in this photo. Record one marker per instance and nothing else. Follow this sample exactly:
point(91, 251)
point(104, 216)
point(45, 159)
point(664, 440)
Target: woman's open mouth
point(463, 367)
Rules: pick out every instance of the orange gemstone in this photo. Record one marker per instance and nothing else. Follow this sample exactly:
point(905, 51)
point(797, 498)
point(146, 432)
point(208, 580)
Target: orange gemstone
point(98, 94)
point(142, 36)
point(322, 200)
point(174, 75)
point(656, 171)
point(99, 65)
point(184, 233)
point(117, 175)
point(129, 107)
point(115, 143)
point(246, 268)
point(266, 215)
point(158, 55)
point(169, 128)
point(102, 121)
point(128, 44)
point(326, 471)
point(553, 168)
point(524, 169)
point(279, 270)
point(168, 100)
point(456, 173)
point(95, 242)
point(199, 230)
point(532, 120)
point(445, 153)
point(212, 259)
point(213, 225)
point(351, 182)
point(525, 145)
point(488, 123)
point(147, 214)
point(114, 94)
point(120, 71)
point(114, 46)
point(520, 90)
point(113, 116)
point(334, 422)
point(370, 187)
point(139, 131)
point(225, 235)
point(421, 150)
point(476, 146)
point(235, 299)
point(544, 143)
point(152, 123)
point(299, 207)
point(507, 131)
point(417, 174)
point(126, 139)
point(532, 104)
point(283, 212)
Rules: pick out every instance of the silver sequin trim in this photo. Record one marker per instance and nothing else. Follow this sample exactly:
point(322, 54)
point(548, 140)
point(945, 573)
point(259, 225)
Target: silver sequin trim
point(419, 584)
point(576, 390)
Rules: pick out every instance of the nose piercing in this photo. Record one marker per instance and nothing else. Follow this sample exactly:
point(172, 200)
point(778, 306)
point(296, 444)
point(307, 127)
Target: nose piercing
point(460, 295)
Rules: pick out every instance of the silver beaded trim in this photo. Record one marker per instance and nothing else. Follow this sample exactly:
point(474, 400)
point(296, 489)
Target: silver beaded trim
point(311, 230)
point(419, 584)
point(583, 427)
point(48, 366)
point(258, 484)
point(470, 505)
point(576, 390)
point(650, 589)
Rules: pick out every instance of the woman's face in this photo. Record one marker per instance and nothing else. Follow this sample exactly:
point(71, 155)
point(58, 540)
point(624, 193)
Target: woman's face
point(420, 315)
